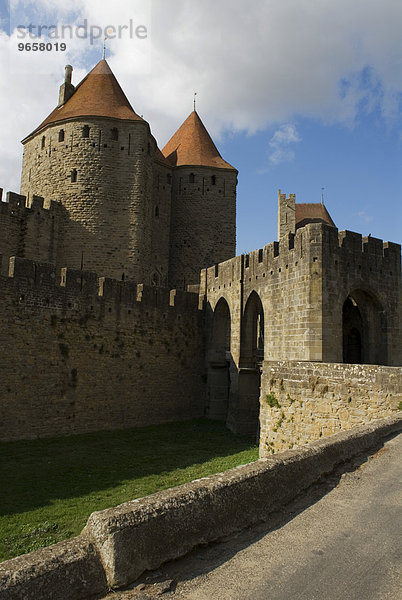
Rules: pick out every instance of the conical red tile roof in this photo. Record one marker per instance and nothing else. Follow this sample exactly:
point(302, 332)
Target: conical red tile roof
point(98, 95)
point(192, 145)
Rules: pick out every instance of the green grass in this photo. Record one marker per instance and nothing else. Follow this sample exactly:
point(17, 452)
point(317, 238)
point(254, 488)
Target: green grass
point(49, 487)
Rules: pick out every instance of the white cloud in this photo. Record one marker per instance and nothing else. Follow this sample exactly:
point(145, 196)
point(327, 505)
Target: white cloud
point(253, 64)
point(286, 134)
point(280, 144)
point(364, 216)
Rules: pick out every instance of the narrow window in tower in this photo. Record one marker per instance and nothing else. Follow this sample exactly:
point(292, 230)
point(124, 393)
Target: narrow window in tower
point(213, 180)
point(73, 175)
point(191, 178)
point(61, 135)
point(114, 133)
point(43, 142)
point(85, 131)
point(156, 211)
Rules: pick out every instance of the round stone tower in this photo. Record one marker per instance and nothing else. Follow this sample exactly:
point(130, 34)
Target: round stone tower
point(203, 218)
point(96, 156)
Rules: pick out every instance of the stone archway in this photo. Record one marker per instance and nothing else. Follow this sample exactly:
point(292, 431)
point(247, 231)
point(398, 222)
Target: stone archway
point(352, 332)
point(250, 366)
point(219, 363)
point(364, 329)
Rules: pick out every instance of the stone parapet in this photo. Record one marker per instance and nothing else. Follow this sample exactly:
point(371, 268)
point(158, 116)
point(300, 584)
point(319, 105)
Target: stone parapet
point(303, 401)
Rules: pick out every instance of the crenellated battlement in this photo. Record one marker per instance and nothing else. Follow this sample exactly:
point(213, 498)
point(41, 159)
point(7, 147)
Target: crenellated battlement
point(274, 258)
point(350, 241)
point(30, 228)
point(309, 243)
point(43, 285)
point(19, 202)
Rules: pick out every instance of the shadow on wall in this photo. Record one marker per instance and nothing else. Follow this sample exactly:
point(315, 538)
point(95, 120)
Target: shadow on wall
point(364, 329)
point(234, 390)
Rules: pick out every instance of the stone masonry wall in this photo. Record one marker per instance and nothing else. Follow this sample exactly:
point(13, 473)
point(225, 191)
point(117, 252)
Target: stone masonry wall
point(110, 197)
point(369, 270)
point(82, 354)
point(303, 401)
point(298, 287)
point(303, 281)
point(161, 212)
point(287, 276)
point(203, 224)
point(30, 231)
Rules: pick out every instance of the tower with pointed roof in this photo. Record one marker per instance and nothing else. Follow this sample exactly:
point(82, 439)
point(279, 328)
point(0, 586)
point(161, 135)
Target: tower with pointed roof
point(203, 222)
point(98, 158)
point(248, 326)
point(132, 212)
point(292, 215)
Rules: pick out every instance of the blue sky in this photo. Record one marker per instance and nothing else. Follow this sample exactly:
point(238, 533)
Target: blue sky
point(297, 94)
point(360, 170)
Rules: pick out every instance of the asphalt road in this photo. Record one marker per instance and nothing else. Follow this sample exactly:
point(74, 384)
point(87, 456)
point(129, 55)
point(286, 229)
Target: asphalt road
point(340, 542)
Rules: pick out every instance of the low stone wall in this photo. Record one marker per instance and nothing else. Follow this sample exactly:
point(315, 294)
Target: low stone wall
point(304, 401)
point(69, 570)
point(120, 543)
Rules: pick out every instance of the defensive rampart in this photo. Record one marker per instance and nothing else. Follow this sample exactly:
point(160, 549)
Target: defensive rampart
point(303, 281)
point(81, 353)
point(30, 229)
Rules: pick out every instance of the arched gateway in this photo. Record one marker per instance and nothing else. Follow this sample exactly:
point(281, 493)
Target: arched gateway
point(364, 329)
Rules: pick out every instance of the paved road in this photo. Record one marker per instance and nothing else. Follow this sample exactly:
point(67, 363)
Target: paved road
point(344, 545)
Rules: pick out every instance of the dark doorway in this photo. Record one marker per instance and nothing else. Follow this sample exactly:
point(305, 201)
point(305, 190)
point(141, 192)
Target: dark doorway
point(364, 329)
point(352, 332)
point(219, 363)
point(250, 367)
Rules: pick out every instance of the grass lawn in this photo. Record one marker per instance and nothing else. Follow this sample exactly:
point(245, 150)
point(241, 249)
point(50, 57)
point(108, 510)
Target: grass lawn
point(49, 487)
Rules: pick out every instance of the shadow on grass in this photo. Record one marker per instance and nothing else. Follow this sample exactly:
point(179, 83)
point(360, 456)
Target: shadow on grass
point(35, 473)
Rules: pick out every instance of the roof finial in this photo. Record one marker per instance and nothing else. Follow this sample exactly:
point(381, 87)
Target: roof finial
point(195, 93)
point(322, 195)
point(104, 48)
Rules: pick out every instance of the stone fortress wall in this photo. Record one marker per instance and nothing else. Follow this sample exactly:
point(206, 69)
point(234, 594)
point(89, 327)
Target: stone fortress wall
point(65, 331)
point(295, 278)
point(90, 352)
point(127, 213)
point(81, 353)
point(289, 301)
point(203, 228)
point(32, 230)
point(102, 171)
point(368, 271)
